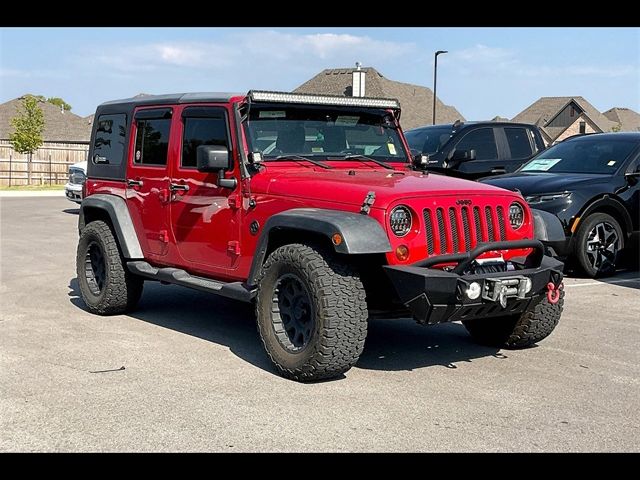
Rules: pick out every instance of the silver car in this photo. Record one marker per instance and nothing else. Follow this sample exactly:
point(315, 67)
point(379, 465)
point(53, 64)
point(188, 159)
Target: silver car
point(77, 177)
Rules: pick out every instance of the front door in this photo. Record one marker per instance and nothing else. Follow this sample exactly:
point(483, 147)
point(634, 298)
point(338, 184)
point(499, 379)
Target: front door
point(205, 218)
point(148, 179)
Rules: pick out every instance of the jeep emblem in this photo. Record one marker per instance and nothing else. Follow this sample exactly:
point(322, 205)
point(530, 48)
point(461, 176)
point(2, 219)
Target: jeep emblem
point(463, 202)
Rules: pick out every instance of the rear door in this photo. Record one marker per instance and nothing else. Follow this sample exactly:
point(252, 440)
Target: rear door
point(148, 178)
point(519, 144)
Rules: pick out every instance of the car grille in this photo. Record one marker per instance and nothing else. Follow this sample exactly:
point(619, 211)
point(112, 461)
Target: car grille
point(460, 229)
point(77, 176)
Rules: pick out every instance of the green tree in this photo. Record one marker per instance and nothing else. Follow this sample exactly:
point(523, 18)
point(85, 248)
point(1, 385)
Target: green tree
point(59, 102)
point(29, 125)
point(616, 128)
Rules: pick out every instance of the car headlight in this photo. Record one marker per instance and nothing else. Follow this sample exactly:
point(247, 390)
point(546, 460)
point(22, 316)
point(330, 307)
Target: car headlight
point(516, 215)
point(547, 197)
point(400, 221)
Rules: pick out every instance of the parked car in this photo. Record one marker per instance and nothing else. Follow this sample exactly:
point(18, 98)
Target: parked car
point(591, 183)
point(307, 205)
point(476, 149)
point(77, 177)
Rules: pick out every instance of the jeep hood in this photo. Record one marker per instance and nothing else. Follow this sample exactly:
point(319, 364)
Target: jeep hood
point(351, 186)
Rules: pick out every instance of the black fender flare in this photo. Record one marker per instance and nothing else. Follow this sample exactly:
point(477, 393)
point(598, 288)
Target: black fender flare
point(116, 208)
point(360, 233)
point(608, 201)
point(547, 226)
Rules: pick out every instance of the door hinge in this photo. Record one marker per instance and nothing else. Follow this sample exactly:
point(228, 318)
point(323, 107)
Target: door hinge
point(233, 247)
point(233, 201)
point(164, 236)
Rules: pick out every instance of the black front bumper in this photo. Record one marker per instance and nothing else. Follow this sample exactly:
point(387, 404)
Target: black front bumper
point(435, 295)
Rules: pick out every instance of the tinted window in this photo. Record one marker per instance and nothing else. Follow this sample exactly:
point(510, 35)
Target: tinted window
point(482, 141)
point(109, 141)
point(152, 141)
point(428, 140)
point(202, 131)
point(591, 156)
point(519, 143)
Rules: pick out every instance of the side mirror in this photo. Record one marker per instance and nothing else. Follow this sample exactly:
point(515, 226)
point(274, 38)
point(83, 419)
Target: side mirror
point(463, 155)
point(215, 158)
point(212, 158)
point(634, 174)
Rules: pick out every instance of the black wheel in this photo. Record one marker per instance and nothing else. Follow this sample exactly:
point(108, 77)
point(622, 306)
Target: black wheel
point(312, 313)
point(106, 286)
point(518, 331)
point(598, 245)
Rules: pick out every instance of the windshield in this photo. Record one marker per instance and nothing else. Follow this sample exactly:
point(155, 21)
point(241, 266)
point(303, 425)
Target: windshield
point(582, 156)
point(428, 140)
point(323, 133)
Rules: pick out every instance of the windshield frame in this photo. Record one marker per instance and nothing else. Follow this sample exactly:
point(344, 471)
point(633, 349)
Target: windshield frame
point(392, 124)
point(621, 168)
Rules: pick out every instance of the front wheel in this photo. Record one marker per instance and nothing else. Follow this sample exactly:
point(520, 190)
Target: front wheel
point(598, 245)
point(518, 331)
point(311, 311)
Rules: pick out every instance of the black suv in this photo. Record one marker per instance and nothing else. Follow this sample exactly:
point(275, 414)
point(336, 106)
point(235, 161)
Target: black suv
point(476, 149)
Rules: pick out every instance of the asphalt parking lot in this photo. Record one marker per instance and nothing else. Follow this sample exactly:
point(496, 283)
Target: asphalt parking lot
point(195, 377)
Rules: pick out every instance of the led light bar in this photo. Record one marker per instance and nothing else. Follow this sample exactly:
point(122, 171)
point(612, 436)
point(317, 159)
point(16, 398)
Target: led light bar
point(284, 97)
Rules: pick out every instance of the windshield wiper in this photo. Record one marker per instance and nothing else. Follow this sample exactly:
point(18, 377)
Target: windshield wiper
point(364, 157)
point(300, 157)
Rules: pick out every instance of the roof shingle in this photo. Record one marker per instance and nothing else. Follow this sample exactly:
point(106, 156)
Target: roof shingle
point(628, 119)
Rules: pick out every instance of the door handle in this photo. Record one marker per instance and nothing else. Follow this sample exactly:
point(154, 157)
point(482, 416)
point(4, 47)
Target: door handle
point(175, 187)
point(498, 170)
point(134, 183)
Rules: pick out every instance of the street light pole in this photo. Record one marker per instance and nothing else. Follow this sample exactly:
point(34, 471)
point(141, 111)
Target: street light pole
point(435, 78)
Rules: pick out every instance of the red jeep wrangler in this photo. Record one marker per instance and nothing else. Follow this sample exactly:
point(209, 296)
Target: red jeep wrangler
point(311, 207)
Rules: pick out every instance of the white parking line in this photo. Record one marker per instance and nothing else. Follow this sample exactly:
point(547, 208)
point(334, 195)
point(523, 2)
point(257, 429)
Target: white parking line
point(626, 280)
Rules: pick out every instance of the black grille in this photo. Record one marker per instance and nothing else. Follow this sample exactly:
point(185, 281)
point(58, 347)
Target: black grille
point(456, 233)
point(476, 218)
point(489, 218)
point(441, 231)
point(465, 229)
point(454, 229)
point(503, 233)
point(429, 231)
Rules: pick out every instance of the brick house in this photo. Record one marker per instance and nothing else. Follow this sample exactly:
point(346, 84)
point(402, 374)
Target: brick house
point(562, 117)
point(416, 101)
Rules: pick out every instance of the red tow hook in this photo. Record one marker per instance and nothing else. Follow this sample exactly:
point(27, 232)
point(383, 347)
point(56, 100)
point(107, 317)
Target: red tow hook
point(553, 293)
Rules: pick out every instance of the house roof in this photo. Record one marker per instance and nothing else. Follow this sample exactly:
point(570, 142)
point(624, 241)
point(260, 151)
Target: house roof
point(58, 126)
point(628, 119)
point(416, 101)
point(545, 109)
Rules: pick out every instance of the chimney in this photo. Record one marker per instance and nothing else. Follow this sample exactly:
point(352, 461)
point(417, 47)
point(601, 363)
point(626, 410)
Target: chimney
point(358, 81)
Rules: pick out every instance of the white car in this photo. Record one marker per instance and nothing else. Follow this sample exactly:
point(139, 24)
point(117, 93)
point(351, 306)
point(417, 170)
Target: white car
point(77, 177)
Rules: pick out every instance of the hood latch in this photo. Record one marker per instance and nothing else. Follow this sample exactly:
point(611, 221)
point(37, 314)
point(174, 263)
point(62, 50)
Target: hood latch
point(368, 201)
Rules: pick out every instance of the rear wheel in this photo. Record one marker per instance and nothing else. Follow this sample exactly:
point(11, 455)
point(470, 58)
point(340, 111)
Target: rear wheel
point(518, 331)
point(598, 245)
point(311, 312)
point(106, 286)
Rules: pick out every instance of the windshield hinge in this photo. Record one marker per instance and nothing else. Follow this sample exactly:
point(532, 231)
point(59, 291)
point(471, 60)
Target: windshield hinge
point(368, 201)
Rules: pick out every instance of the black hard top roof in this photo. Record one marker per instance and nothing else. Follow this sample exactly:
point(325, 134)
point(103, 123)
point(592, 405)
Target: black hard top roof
point(173, 98)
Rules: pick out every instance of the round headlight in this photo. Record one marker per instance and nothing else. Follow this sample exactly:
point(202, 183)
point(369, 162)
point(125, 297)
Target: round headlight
point(400, 221)
point(516, 215)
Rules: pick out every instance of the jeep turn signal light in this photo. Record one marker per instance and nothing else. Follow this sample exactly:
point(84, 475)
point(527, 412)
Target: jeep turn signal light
point(336, 238)
point(402, 252)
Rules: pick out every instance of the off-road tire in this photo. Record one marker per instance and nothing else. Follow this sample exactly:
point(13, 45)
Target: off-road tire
point(121, 290)
point(339, 309)
point(580, 246)
point(517, 331)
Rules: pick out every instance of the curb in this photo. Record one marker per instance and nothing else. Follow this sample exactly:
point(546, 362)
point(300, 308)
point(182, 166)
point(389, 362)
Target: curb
point(27, 193)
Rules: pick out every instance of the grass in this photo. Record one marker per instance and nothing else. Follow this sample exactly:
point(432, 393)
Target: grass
point(31, 188)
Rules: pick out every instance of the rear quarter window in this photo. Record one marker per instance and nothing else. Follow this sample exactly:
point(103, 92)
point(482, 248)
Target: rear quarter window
point(108, 146)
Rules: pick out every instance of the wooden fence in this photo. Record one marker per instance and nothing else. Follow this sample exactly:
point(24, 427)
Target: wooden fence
point(49, 165)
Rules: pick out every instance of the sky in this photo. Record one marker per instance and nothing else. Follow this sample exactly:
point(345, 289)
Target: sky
point(487, 72)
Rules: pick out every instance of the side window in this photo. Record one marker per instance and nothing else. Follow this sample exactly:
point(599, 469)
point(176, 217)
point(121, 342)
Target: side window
point(202, 131)
point(416, 139)
point(109, 141)
point(519, 142)
point(483, 141)
point(152, 141)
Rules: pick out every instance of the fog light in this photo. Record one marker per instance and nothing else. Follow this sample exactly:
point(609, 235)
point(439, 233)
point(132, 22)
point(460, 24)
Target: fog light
point(473, 290)
point(402, 252)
